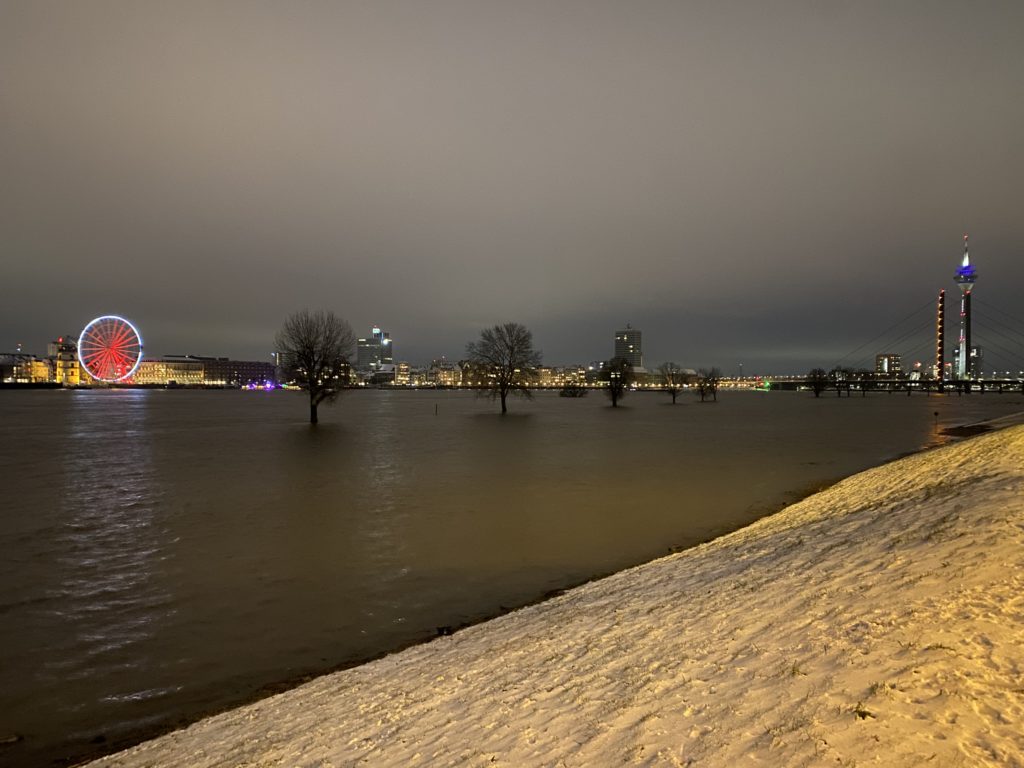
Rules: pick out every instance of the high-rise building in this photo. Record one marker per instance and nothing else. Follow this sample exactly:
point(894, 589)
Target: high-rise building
point(974, 362)
point(628, 344)
point(888, 364)
point(375, 351)
point(965, 278)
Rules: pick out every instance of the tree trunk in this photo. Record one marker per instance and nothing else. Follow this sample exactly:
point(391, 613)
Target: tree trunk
point(312, 412)
point(504, 408)
point(674, 393)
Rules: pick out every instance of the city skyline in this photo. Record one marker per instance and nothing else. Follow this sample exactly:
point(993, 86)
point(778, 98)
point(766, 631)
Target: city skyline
point(370, 353)
point(748, 187)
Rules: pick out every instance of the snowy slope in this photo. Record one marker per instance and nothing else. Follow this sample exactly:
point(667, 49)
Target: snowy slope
point(880, 622)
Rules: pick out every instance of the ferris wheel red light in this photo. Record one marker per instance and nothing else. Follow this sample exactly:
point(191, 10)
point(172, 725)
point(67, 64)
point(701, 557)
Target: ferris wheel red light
point(110, 349)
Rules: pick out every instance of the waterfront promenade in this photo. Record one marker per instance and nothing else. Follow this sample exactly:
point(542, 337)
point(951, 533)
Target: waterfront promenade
point(876, 622)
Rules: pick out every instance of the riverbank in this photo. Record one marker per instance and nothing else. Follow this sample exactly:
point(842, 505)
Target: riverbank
point(878, 620)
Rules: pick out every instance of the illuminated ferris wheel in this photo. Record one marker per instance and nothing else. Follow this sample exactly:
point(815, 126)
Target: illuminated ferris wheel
point(110, 349)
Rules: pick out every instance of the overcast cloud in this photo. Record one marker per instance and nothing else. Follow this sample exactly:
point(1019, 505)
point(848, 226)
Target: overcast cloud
point(761, 183)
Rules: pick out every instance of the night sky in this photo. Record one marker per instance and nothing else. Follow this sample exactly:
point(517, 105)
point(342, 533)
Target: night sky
point(761, 183)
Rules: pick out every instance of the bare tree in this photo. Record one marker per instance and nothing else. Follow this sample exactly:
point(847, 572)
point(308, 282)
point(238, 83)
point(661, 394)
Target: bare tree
point(708, 380)
point(506, 358)
point(817, 380)
point(314, 348)
point(672, 379)
point(617, 375)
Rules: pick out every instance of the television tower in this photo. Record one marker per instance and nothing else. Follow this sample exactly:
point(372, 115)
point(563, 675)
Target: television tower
point(965, 278)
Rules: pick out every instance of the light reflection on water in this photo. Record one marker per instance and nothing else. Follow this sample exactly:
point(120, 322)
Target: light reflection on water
point(166, 553)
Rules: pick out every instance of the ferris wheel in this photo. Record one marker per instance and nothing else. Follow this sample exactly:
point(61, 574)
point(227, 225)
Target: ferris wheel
point(110, 349)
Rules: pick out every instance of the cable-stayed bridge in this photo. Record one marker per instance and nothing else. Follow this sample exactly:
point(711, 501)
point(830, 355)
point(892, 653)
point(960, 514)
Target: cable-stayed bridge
point(904, 357)
point(913, 352)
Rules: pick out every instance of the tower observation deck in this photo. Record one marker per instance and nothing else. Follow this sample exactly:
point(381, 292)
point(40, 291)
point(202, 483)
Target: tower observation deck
point(965, 278)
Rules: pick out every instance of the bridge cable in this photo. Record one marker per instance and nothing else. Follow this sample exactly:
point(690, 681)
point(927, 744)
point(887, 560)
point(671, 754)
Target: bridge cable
point(1005, 353)
point(904, 337)
point(993, 321)
point(999, 310)
point(925, 350)
point(929, 303)
point(987, 342)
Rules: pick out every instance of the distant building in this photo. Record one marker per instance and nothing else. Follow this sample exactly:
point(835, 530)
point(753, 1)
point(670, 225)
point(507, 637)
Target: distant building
point(560, 377)
point(175, 370)
point(444, 373)
point(8, 361)
point(284, 363)
point(593, 371)
point(66, 369)
point(888, 364)
point(977, 360)
point(402, 375)
point(629, 345)
point(375, 351)
point(224, 372)
point(367, 354)
point(20, 368)
point(380, 376)
point(34, 371)
point(195, 370)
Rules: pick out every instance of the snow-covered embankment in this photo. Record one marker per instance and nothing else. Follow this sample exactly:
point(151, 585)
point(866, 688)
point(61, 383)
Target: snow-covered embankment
point(880, 621)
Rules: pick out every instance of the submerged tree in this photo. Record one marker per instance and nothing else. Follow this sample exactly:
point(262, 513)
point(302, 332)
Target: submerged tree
point(672, 379)
point(313, 350)
point(617, 375)
point(572, 389)
point(817, 381)
point(505, 356)
point(708, 380)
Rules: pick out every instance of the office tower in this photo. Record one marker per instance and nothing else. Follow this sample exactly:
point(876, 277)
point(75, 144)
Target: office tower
point(628, 344)
point(888, 364)
point(375, 351)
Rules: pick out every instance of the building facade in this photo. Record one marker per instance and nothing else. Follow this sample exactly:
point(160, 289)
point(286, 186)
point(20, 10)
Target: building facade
point(975, 363)
point(374, 351)
point(171, 371)
point(551, 377)
point(66, 368)
point(629, 345)
point(403, 374)
point(224, 372)
point(444, 373)
point(888, 364)
point(21, 368)
point(196, 371)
